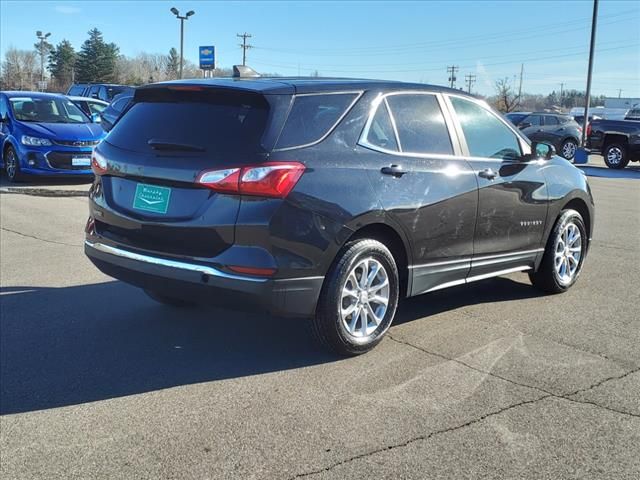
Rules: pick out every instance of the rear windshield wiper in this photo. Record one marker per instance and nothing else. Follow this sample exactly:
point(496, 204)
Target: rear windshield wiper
point(172, 146)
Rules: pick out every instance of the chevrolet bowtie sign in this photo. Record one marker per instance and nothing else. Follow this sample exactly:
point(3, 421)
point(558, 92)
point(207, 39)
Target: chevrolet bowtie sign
point(208, 57)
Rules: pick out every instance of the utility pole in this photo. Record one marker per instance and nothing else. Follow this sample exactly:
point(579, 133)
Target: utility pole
point(43, 39)
point(619, 92)
point(244, 46)
point(520, 87)
point(594, 22)
point(452, 74)
point(470, 79)
point(561, 93)
point(182, 19)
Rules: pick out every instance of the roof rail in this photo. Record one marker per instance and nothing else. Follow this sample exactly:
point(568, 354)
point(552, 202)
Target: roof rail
point(242, 71)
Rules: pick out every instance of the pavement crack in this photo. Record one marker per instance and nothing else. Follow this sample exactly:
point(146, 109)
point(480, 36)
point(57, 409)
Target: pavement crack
point(419, 438)
point(565, 396)
point(38, 238)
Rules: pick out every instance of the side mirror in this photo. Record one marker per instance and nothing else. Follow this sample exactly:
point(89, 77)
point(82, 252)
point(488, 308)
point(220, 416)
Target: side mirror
point(543, 150)
point(524, 125)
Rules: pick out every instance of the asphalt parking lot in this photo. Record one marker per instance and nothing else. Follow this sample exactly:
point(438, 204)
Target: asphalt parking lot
point(491, 380)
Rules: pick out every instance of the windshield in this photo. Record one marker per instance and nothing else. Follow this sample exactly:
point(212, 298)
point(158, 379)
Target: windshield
point(46, 110)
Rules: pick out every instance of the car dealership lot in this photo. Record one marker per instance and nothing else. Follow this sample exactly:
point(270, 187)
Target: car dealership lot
point(490, 380)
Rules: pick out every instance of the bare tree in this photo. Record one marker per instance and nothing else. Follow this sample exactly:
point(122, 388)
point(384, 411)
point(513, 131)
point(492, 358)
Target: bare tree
point(20, 69)
point(507, 99)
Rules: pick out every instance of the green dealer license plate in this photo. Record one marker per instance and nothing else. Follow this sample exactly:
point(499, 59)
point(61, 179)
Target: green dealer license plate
point(151, 198)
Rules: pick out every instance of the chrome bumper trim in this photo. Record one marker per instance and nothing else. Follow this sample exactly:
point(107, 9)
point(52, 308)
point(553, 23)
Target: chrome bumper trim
point(191, 267)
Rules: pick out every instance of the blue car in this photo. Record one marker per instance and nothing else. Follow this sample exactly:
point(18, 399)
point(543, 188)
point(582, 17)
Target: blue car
point(45, 134)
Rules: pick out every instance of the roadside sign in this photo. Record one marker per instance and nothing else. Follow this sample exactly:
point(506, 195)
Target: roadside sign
point(208, 57)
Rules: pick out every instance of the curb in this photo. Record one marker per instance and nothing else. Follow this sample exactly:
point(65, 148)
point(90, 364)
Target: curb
point(44, 192)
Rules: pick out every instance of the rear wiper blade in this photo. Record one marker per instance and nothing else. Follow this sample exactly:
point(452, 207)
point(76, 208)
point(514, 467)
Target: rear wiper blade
point(172, 146)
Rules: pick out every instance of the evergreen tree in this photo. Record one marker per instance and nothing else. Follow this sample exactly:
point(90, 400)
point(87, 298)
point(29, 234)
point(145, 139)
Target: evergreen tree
point(97, 59)
point(61, 63)
point(173, 64)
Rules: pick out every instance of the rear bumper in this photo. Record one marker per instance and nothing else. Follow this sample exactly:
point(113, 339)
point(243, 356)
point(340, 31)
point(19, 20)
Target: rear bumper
point(290, 297)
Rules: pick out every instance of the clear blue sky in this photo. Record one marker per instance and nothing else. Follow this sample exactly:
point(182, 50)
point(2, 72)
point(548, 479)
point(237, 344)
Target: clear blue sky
point(412, 41)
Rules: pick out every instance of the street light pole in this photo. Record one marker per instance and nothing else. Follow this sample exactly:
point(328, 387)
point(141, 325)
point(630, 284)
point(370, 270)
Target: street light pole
point(182, 19)
point(594, 21)
point(42, 38)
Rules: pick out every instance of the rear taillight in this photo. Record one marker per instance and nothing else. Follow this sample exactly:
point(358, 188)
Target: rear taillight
point(588, 129)
point(271, 179)
point(98, 163)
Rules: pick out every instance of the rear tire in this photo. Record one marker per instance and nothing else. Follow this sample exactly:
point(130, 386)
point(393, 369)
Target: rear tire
point(615, 156)
point(563, 256)
point(168, 300)
point(358, 299)
point(12, 165)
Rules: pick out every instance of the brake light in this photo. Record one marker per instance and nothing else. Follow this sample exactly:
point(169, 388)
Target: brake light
point(98, 163)
point(588, 129)
point(271, 179)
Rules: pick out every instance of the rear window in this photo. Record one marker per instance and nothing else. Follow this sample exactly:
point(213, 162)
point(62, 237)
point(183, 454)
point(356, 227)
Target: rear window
point(211, 122)
point(312, 117)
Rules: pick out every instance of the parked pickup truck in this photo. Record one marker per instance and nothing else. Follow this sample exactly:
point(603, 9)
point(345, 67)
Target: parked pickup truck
point(617, 140)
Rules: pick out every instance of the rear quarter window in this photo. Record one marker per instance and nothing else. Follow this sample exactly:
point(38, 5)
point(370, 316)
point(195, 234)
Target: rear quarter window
point(312, 117)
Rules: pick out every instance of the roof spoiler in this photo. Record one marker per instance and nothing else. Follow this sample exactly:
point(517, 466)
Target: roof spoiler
point(242, 71)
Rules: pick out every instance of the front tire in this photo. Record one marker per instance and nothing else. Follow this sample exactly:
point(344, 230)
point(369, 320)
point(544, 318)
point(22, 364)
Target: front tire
point(12, 165)
point(615, 156)
point(569, 148)
point(563, 256)
point(358, 299)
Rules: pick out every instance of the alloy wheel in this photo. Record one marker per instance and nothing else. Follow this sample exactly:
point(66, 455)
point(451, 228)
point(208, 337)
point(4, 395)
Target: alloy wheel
point(11, 164)
point(614, 155)
point(569, 150)
point(568, 252)
point(364, 298)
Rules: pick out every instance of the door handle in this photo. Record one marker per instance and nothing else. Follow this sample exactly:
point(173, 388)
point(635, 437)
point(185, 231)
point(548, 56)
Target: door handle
point(393, 170)
point(541, 130)
point(488, 173)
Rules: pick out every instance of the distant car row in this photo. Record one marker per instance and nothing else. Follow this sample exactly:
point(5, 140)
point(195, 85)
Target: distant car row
point(561, 131)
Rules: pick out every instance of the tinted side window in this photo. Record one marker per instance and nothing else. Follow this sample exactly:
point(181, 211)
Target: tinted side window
point(533, 120)
point(420, 124)
point(3, 107)
point(76, 90)
point(93, 90)
point(120, 104)
point(381, 132)
point(549, 120)
point(485, 134)
point(312, 116)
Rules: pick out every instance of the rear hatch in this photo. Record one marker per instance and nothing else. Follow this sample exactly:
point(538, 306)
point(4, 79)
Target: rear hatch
point(155, 153)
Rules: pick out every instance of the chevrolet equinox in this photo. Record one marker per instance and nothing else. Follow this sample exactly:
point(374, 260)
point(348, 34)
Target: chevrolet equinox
point(327, 198)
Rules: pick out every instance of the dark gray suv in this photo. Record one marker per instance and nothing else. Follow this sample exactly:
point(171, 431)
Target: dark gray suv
point(327, 198)
point(561, 131)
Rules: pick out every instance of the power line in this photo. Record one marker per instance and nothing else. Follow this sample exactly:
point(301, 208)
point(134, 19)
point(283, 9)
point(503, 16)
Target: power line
point(485, 38)
point(452, 74)
point(244, 45)
point(470, 80)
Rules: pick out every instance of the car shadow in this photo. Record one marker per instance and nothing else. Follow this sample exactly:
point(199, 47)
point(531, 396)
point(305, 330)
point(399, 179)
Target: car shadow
point(78, 344)
point(629, 172)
